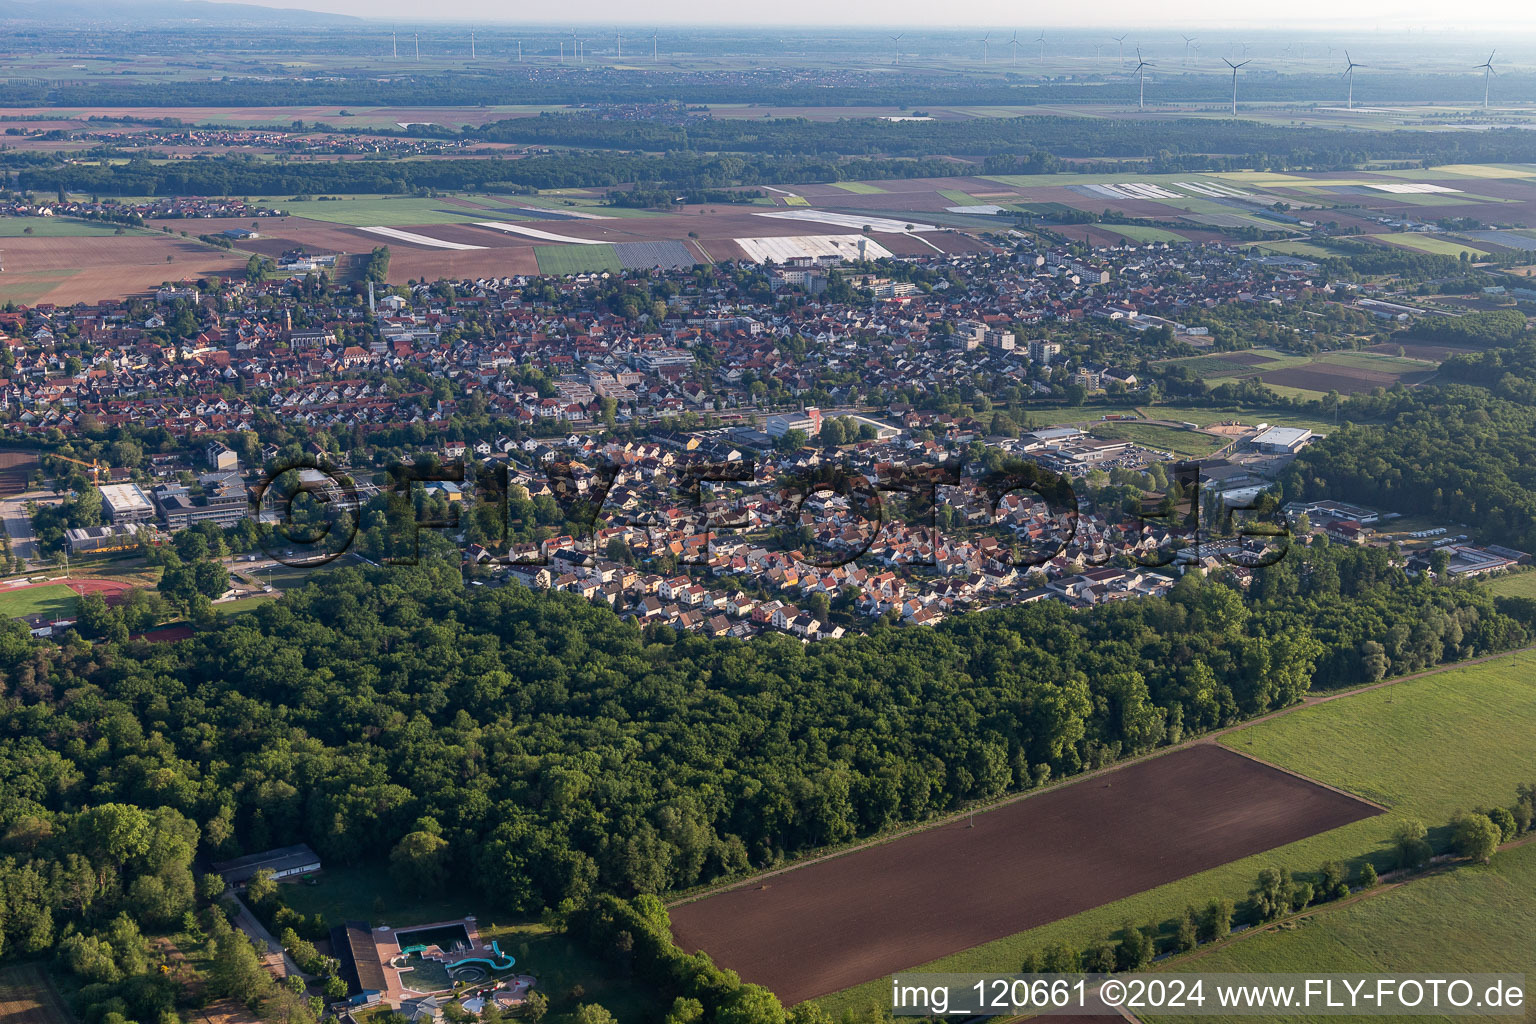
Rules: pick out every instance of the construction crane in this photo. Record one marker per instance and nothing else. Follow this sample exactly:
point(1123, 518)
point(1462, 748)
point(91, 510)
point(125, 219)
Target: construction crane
point(94, 466)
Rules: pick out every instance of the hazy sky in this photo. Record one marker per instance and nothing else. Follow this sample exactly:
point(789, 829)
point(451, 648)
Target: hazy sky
point(1490, 18)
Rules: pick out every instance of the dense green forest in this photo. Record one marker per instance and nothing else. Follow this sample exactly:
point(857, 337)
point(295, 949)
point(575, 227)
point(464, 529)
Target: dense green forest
point(558, 751)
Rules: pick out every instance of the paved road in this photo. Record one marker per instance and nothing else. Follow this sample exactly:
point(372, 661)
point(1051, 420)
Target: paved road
point(19, 525)
point(246, 922)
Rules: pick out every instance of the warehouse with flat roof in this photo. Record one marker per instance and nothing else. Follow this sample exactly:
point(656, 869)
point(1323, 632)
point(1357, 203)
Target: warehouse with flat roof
point(1282, 440)
point(126, 503)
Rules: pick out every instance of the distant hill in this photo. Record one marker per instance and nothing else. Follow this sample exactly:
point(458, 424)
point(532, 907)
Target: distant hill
point(138, 13)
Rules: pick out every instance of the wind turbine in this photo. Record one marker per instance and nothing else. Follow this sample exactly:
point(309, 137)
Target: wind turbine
point(519, 51)
point(416, 37)
point(654, 34)
point(1487, 69)
point(1349, 75)
point(895, 42)
point(394, 47)
point(471, 44)
point(1188, 40)
point(984, 46)
point(1141, 80)
point(618, 42)
point(1120, 41)
point(1041, 41)
point(1014, 42)
point(1234, 68)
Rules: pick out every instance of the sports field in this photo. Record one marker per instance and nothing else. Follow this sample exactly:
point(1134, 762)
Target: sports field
point(1155, 435)
point(1471, 919)
point(577, 259)
point(854, 918)
point(53, 600)
point(1424, 747)
point(26, 997)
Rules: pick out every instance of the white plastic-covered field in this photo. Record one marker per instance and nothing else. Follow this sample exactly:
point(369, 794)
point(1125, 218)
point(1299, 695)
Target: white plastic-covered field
point(787, 247)
point(547, 236)
point(414, 239)
point(857, 221)
point(1405, 188)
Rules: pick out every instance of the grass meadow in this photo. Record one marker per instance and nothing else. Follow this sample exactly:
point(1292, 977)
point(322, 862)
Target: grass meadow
point(1469, 919)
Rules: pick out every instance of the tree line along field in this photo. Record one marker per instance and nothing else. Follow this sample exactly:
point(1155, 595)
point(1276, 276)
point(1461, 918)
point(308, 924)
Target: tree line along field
point(1424, 748)
point(1472, 919)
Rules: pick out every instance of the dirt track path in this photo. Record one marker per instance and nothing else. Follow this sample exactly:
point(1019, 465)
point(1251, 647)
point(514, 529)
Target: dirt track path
point(1214, 736)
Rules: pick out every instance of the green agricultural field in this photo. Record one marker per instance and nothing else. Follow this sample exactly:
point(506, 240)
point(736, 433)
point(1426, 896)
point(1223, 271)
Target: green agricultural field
point(1297, 248)
point(1515, 584)
point(1154, 435)
point(963, 198)
point(1141, 233)
point(54, 600)
point(1431, 244)
point(1215, 367)
point(577, 259)
point(859, 188)
point(58, 227)
point(1305, 394)
point(1425, 748)
point(1378, 361)
point(795, 201)
point(1472, 919)
point(31, 285)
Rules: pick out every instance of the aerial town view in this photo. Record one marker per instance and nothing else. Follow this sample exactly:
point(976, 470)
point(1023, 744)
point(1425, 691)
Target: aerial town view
point(704, 515)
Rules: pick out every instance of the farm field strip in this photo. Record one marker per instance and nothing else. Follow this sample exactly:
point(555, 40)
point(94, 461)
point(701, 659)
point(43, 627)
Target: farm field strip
point(849, 220)
point(415, 239)
point(849, 919)
point(545, 236)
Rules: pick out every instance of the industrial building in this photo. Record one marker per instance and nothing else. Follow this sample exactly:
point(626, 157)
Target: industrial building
point(1282, 440)
point(126, 503)
point(88, 540)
